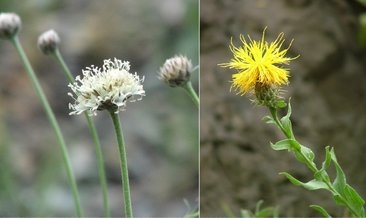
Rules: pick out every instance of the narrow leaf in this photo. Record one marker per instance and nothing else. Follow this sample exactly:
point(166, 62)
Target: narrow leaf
point(307, 152)
point(282, 145)
point(268, 119)
point(244, 214)
point(265, 212)
point(340, 180)
point(327, 160)
point(321, 210)
point(311, 185)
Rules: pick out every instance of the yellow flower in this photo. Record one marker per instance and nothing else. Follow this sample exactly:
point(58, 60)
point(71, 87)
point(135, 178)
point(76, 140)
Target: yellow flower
point(259, 64)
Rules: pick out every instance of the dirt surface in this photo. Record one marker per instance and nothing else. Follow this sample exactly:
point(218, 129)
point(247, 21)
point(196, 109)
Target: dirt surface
point(328, 90)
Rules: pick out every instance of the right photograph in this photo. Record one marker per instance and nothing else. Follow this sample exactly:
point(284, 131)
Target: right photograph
point(282, 108)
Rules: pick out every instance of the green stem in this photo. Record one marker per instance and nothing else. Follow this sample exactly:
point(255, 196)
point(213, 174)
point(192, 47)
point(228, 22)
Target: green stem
point(123, 161)
point(15, 41)
point(188, 87)
point(98, 148)
point(308, 162)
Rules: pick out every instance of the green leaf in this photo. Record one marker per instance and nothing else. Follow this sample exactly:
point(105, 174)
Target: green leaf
point(268, 119)
point(353, 196)
point(321, 210)
point(281, 104)
point(265, 212)
point(258, 206)
point(245, 214)
point(322, 173)
point(340, 180)
point(286, 121)
point(307, 152)
point(311, 185)
point(327, 161)
point(282, 145)
point(346, 192)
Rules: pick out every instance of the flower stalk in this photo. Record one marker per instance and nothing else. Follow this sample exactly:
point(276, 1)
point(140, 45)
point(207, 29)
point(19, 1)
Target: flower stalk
point(192, 93)
point(55, 53)
point(15, 41)
point(123, 162)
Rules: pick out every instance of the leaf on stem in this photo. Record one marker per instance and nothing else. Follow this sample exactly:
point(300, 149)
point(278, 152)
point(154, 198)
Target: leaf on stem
point(306, 152)
point(268, 119)
point(288, 144)
point(346, 192)
point(286, 122)
point(321, 210)
point(311, 185)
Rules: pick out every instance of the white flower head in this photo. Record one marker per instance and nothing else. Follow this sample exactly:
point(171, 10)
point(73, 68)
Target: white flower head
point(107, 88)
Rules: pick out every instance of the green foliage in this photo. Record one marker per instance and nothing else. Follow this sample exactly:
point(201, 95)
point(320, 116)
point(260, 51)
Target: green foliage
point(320, 210)
point(265, 212)
point(343, 193)
point(259, 212)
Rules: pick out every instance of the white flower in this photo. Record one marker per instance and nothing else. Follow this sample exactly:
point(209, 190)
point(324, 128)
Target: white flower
point(107, 88)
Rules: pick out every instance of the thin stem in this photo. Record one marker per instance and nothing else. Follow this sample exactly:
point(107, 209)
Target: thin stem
point(273, 111)
point(98, 148)
point(123, 161)
point(308, 162)
point(15, 41)
point(188, 87)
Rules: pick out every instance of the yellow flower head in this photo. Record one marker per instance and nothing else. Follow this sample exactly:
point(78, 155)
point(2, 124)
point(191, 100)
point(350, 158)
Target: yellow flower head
point(259, 64)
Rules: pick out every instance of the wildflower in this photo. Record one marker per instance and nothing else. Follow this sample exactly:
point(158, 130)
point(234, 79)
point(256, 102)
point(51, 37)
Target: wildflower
point(259, 67)
point(107, 88)
point(176, 71)
point(10, 24)
point(48, 42)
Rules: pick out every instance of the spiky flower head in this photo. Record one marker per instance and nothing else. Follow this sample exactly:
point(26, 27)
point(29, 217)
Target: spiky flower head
point(259, 66)
point(176, 71)
point(107, 88)
point(10, 24)
point(48, 42)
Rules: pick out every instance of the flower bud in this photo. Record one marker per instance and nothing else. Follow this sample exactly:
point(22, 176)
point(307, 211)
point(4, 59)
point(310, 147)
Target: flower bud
point(176, 71)
point(48, 42)
point(10, 24)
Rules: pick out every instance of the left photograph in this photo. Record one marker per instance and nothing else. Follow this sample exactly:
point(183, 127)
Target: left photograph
point(99, 108)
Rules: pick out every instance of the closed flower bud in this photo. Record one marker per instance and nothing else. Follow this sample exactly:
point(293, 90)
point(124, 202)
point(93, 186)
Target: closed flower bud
point(10, 24)
point(176, 71)
point(48, 42)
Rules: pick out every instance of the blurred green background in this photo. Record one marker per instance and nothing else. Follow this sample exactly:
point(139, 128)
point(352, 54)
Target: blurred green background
point(161, 131)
